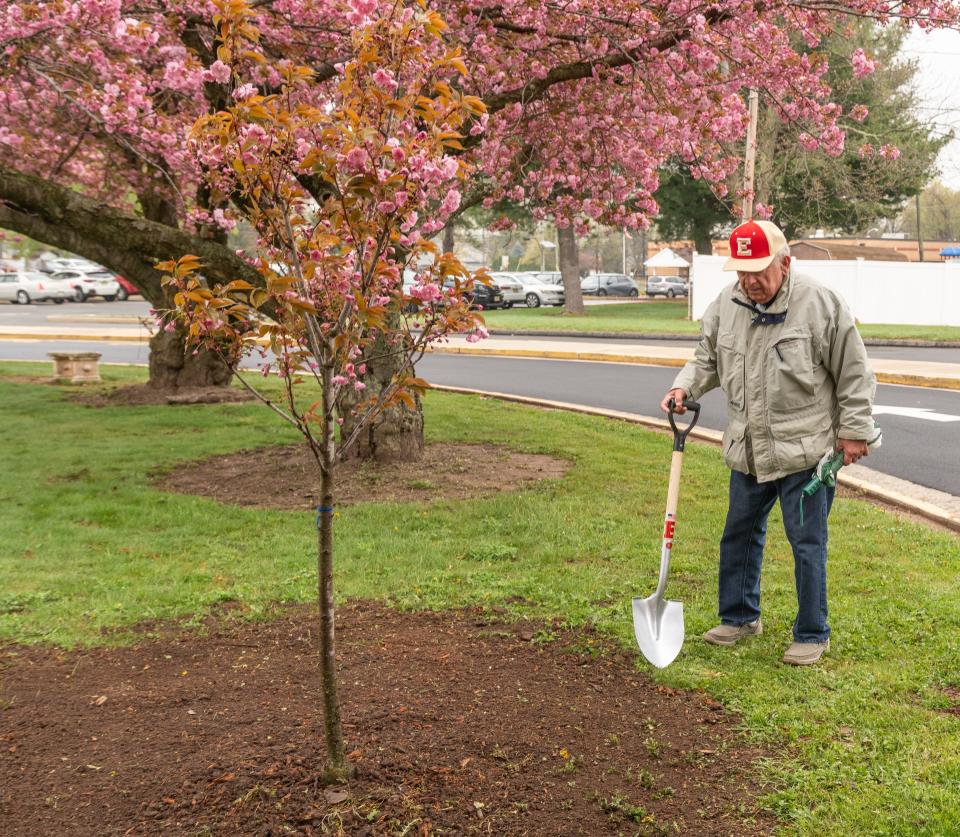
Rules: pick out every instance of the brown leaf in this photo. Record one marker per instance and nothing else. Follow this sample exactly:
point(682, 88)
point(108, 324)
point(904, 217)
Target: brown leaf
point(334, 797)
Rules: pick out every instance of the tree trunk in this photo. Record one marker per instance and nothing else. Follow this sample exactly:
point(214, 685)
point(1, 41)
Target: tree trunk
point(173, 365)
point(336, 769)
point(396, 435)
point(448, 237)
point(569, 257)
point(702, 241)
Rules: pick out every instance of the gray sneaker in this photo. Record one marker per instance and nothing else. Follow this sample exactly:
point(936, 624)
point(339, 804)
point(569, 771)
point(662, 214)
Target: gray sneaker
point(732, 634)
point(805, 653)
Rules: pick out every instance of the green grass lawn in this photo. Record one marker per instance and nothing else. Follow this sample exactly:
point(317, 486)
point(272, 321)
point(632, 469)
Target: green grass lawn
point(861, 745)
point(663, 317)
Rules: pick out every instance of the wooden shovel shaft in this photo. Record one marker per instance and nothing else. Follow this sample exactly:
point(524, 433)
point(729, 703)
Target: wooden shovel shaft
point(669, 520)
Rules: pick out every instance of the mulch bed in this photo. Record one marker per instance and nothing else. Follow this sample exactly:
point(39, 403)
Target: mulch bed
point(457, 723)
point(287, 476)
point(145, 395)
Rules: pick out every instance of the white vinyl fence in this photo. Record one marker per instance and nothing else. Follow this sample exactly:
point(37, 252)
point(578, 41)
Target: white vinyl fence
point(907, 293)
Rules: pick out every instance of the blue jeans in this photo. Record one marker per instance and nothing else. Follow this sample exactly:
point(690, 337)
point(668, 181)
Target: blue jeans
point(741, 550)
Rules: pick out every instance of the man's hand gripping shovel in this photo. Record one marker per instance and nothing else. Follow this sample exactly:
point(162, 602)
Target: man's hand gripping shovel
point(658, 623)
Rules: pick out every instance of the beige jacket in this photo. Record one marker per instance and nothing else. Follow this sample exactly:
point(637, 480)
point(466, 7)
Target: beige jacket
point(793, 387)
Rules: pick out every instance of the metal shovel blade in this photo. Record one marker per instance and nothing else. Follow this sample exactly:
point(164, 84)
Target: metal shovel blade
point(658, 627)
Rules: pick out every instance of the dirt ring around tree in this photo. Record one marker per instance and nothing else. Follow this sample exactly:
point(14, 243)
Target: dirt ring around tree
point(456, 722)
point(287, 477)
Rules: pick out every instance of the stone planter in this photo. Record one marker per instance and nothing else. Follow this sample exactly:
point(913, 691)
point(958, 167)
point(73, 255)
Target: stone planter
point(75, 367)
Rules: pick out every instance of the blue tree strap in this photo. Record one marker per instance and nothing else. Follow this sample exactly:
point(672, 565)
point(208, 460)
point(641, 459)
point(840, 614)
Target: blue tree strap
point(322, 510)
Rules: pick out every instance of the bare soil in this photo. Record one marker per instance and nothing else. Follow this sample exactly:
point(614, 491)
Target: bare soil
point(287, 477)
point(144, 395)
point(457, 723)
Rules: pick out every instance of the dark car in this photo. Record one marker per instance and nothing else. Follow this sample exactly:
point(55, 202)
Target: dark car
point(483, 296)
point(609, 284)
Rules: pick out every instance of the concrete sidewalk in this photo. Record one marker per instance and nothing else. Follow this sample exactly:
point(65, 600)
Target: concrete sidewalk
point(910, 373)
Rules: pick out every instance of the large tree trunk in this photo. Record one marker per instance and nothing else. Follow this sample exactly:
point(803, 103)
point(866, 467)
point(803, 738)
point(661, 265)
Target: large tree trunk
point(396, 435)
point(173, 366)
point(569, 257)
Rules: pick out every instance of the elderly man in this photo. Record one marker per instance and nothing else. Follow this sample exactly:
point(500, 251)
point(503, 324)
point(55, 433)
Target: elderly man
point(788, 356)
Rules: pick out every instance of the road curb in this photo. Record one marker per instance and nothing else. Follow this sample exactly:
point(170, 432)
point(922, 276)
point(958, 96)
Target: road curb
point(860, 484)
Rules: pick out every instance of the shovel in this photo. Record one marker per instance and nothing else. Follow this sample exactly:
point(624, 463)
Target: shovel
point(658, 623)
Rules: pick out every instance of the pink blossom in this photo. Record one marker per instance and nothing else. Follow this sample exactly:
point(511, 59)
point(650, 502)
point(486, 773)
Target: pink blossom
point(426, 293)
point(889, 152)
point(479, 333)
point(356, 159)
point(219, 72)
point(384, 78)
point(244, 91)
point(859, 112)
point(862, 65)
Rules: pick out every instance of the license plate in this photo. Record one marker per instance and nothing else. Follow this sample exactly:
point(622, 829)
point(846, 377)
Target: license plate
point(498, 297)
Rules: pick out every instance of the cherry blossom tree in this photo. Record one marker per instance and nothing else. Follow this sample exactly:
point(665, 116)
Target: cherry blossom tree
point(585, 101)
point(332, 266)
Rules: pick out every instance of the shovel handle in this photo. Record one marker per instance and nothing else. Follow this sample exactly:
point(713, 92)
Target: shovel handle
point(680, 436)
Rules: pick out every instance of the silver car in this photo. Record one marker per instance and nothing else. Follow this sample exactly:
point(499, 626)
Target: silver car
point(86, 284)
point(25, 286)
point(541, 288)
point(511, 286)
point(668, 286)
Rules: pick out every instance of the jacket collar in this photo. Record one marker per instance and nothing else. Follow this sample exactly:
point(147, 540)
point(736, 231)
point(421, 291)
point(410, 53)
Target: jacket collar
point(779, 303)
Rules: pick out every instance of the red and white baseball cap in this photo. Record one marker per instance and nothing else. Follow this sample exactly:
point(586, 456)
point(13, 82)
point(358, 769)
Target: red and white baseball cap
point(753, 245)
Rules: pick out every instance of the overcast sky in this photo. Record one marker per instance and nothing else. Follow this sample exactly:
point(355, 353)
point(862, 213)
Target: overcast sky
point(938, 81)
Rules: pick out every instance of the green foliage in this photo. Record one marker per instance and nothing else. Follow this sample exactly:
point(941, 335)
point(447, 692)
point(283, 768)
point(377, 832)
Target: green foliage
point(939, 214)
point(809, 189)
point(689, 209)
point(859, 745)
point(653, 318)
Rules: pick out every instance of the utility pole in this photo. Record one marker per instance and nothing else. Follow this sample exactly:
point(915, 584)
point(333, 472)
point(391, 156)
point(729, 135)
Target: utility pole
point(919, 234)
point(746, 212)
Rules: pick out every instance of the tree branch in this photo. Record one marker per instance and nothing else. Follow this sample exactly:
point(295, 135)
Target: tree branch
point(127, 244)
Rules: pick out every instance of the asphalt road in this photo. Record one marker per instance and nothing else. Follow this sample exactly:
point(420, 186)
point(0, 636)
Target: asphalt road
point(921, 450)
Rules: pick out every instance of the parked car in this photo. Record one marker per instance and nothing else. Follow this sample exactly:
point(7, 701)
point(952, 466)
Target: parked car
point(88, 284)
point(540, 289)
point(55, 265)
point(609, 284)
point(126, 290)
point(485, 297)
point(22, 287)
point(511, 287)
point(668, 286)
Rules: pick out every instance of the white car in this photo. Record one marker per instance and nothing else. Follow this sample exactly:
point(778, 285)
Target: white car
point(86, 284)
point(511, 286)
point(540, 289)
point(25, 286)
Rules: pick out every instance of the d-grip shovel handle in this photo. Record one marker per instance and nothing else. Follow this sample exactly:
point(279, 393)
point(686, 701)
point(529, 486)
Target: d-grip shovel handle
point(680, 436)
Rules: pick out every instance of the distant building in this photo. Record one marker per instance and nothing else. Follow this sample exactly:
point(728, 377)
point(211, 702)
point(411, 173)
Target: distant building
point(824, 248)
point(870, 249)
